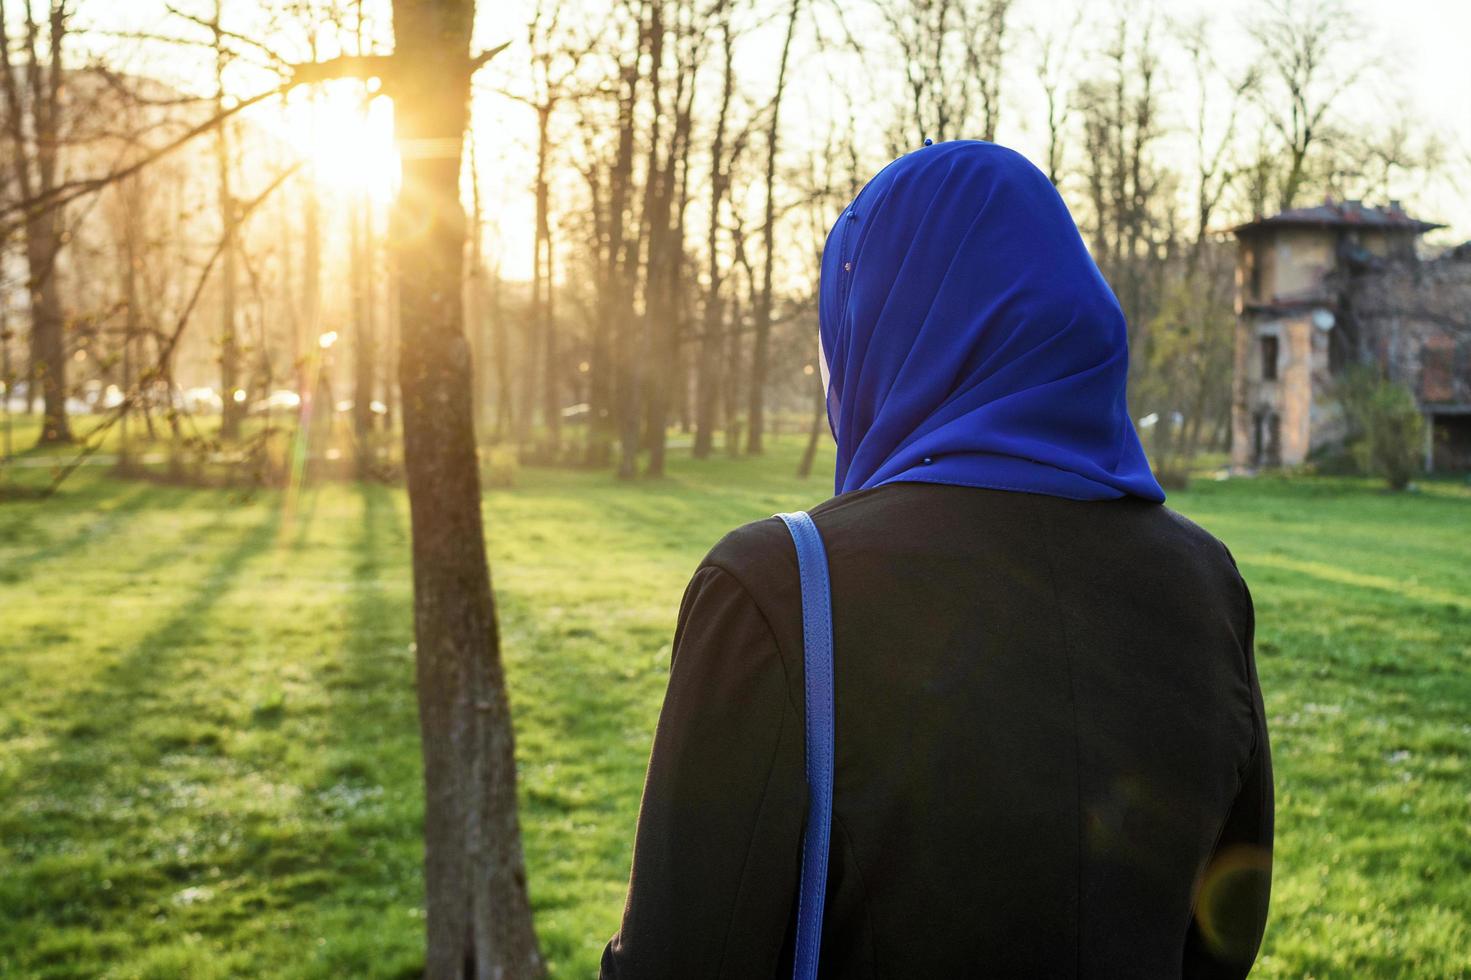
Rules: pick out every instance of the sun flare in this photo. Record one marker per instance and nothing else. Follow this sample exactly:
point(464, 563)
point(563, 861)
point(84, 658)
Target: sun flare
point(347, 140)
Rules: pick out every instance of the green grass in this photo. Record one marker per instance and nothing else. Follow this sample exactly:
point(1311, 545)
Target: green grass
point(208, 754)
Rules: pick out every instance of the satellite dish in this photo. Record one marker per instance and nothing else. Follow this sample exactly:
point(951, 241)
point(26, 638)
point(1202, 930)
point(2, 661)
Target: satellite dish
point(1323, 320)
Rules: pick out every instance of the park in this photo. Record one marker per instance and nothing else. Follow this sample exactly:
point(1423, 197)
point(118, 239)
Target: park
point(210, 753)
point(376, 376)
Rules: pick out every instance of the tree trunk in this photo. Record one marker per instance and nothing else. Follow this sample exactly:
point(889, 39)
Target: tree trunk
point(33, 164)
point(231, 410)
point(7, 447)
point(760, 352)
point(610, 369)
point(732, 381)
point(392, 335)
point(365, 344)
point(501, 344)
point(129, 192)
point(478, 910)
point(48, 326)
point(819, 416)
point(551, 375)
point(365, 335)
point(666, 254)
point(551, 363)
point(600, 380)
point(546, 324)
point(530, 361)
point(311, 314)
point(706, 378)
point(633, 344)
point(706, 383)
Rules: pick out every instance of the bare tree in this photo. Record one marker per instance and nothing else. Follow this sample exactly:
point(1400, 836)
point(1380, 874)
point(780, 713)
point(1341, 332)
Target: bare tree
point(762, 301)
point(232, 411)
point(1054, 50)
point(713, 323)
point(1301, 42)
point(365, 335)
point(1375, 162)
point(951, 54)
point(668, 188)
point(554, 65)
point(1215, 166)
point(1128, 191)
point(614, 382)
point(630, 340)
point(34, 124)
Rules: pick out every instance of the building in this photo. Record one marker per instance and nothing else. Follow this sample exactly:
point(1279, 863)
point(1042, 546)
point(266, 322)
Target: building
point(1321, 288)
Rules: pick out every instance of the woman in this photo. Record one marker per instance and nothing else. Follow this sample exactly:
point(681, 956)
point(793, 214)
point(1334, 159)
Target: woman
point(1052, 758)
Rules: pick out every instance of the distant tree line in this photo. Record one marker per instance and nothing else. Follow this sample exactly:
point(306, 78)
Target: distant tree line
point(682, 162)
point(681, 203)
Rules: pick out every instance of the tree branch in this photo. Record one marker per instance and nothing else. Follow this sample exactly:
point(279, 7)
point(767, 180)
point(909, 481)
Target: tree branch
point(346, 66)
point(63, 194)
point(478, 61)
point(232, 35)
point(361, 66)
point(166, 349)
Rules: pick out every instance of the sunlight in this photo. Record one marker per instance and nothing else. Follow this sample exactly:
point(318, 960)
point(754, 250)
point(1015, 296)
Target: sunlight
point(348, 145)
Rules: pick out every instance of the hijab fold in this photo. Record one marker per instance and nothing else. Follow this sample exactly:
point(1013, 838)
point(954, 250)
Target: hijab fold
point(967, 336)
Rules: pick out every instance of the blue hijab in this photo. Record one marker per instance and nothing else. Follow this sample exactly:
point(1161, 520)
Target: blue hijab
point(969, 338)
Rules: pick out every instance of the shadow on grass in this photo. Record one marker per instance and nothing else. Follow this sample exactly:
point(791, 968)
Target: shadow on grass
point(301, 512)
point(372, 681)
point(84, 782)
point(124, 692)
point(363, 801)
point(371, 739)
point(123, 504)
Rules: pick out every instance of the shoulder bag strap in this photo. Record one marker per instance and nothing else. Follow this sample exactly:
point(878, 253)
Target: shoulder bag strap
point(817, 669)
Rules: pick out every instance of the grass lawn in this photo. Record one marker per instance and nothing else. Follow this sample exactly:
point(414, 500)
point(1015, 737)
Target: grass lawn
point(208, 753)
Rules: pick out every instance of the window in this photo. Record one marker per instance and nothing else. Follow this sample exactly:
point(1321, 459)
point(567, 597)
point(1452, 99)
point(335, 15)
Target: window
point(1269, 358)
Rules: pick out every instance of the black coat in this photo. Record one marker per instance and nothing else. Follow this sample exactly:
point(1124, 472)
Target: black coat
point(1052, 759)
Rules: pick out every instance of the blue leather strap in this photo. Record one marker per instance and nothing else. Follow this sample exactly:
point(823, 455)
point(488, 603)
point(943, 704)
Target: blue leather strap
point(817, 669)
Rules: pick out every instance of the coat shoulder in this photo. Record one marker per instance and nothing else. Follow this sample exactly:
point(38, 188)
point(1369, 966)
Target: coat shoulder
point(1205, 544)
point(753, 553)
point(763, 549)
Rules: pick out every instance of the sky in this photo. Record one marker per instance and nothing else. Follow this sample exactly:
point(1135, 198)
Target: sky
point(1420, 44)
point(1426, 72)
